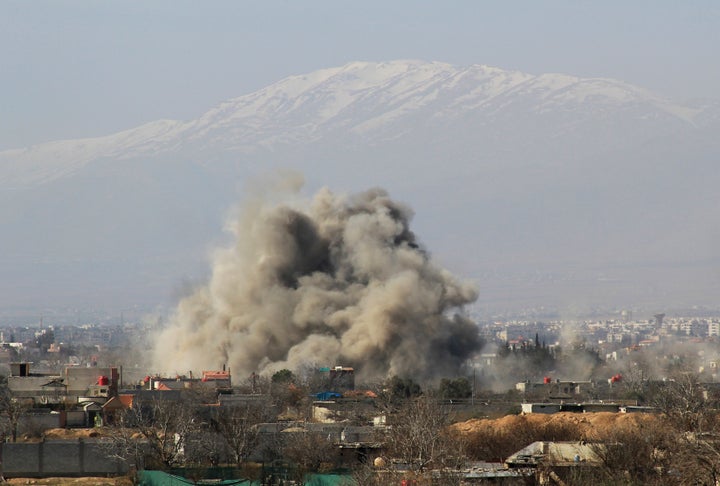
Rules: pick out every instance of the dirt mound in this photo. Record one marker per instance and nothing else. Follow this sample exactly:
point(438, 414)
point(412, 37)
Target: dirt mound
point(584, 425)
point(496, 439)
point(64, 434)
point(120, 481)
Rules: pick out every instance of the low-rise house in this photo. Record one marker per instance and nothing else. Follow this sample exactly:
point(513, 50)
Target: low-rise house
point(564, 453)
point(546, 408)
point(216, 381)
point(553, 461)
point(601, 407)
point(638, 409)
point(74, 386)
point(554, 388)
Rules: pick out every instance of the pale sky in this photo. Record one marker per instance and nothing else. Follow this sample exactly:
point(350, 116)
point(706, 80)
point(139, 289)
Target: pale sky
point(72, 69)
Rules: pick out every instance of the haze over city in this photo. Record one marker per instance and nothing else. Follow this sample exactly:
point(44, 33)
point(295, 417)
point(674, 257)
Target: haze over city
point(559, 156)
point(365, 243)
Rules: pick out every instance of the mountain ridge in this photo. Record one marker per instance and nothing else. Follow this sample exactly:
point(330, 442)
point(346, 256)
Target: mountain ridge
point(510, 174)
point(360, 99)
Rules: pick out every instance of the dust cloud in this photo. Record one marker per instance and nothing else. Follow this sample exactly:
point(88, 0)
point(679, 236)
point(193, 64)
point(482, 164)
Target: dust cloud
point(337, 280)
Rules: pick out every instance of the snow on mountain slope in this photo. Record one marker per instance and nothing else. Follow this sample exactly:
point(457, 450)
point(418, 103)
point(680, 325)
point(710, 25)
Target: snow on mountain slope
point(362, 101)
point(49, 161)
point(508, 171)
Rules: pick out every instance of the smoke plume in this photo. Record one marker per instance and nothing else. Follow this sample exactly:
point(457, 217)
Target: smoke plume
point(337, 280)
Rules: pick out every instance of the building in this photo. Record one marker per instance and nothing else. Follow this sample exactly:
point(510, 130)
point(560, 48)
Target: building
point(554, 388)
point(74, 386)
point(713, 328)
point(338, 379)
point(540, 408)
point(556, 454)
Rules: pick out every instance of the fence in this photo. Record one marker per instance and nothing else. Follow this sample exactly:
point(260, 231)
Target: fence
point(78, 457)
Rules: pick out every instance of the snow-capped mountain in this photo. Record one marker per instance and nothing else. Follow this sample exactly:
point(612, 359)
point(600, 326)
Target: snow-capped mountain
point(359, 103)
point(505, 170)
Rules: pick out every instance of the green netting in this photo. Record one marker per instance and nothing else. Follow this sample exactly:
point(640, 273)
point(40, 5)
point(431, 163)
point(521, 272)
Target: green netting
point(327, 480)
point(161, 478)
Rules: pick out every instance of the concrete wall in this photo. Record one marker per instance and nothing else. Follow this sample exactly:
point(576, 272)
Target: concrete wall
point(75, 418)
point(59, 458)
point(37, 422)
point(79, 379)
point(34, 423)
point(540, 408)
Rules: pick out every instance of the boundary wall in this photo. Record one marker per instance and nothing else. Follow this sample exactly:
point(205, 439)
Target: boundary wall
point(77, 457)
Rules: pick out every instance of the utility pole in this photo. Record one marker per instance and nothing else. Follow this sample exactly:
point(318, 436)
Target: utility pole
point(472, 399)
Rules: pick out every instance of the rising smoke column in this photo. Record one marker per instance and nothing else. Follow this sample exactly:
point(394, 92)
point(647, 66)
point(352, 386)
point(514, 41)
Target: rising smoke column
point(342, 281)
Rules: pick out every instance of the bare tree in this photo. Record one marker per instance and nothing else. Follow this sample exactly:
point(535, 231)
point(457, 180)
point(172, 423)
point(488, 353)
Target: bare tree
point(294, 452)
point(635, 376)
point(419, 437)
point(237, 425)
point(692, 415)
point(638, 455)
point(683, 400)
point(11, 411)
point(393, 393)
point(309, 452)
point(154, 434)
point(697, 458)
point(678, 446)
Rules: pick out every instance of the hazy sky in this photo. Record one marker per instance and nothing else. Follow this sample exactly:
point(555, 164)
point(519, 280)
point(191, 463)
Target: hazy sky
point(80, 68)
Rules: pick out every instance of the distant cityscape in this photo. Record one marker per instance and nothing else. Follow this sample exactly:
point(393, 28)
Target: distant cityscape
point(124, 341)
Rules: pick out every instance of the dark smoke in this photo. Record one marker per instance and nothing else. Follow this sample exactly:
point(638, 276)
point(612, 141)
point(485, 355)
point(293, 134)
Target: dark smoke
point(341, 281)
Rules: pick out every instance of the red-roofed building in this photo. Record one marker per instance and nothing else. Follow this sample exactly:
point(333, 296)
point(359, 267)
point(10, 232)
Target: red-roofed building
point(221, 379)
point(115, 406)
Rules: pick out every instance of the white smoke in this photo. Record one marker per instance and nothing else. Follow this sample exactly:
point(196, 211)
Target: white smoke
point(341, 280)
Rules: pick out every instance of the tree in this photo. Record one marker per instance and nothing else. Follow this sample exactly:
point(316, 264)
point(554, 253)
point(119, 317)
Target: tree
point(635, 376)
point(238, 427)
point(11, 411)
point(455, 388)
point(391, 394)
point(683, 400)
point(691, 415)
point(419, 437)
point(309, 452)
point(154, 434)
point(285, 389)
point(697, 458)
point(399, 389)
point(284, 376)
point(640, 455)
